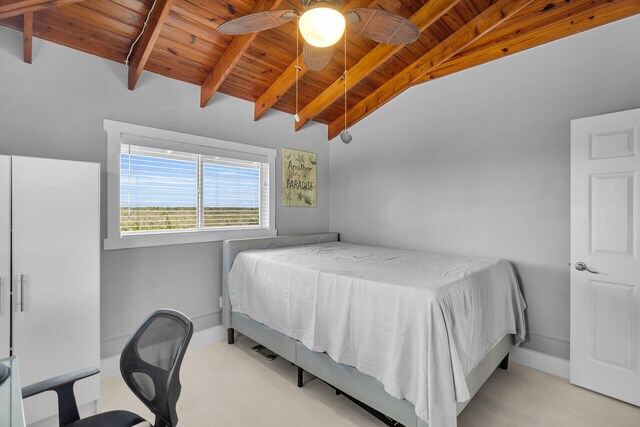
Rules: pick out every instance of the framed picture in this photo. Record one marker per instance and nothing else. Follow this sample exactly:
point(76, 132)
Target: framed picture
point(298, 178)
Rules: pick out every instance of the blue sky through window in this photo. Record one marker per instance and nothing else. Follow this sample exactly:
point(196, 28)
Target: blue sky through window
point(147, 181)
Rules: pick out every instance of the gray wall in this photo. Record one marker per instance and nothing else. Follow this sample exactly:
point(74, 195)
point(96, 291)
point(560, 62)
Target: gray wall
point(55, 107)
point(478, 163)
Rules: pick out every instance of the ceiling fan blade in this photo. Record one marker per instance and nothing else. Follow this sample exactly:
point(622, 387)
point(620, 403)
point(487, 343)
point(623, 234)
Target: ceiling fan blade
point(382, 26)
point(316, 58)
point(257, 22)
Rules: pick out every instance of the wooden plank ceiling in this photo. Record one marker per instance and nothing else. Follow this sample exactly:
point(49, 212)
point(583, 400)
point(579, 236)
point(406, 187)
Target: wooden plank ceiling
point(180, 42)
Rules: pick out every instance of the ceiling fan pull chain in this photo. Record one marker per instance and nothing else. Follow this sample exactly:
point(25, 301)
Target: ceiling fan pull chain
point(345, 82)
point(296, 117)
point(344, 135)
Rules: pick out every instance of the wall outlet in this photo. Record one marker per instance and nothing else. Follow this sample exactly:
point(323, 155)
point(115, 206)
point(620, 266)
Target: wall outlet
point(220, 303)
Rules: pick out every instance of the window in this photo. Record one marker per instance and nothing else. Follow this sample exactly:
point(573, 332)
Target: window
point(178, 188)
point(165, 190)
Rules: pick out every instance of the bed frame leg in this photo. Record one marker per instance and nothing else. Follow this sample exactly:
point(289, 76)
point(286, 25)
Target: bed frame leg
point(505, 362)
point(231, 338)
point(300, 376)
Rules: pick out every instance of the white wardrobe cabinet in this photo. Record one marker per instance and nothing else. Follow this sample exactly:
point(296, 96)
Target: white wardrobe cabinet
point(50, 275)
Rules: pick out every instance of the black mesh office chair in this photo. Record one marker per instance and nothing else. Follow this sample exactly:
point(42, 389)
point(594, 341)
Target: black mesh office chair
point(150, 365)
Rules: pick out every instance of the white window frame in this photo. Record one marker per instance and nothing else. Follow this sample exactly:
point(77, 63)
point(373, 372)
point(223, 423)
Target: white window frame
point(181, 142)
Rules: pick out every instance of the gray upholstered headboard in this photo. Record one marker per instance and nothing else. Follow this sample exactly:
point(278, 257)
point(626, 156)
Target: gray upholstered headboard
point(231, 248)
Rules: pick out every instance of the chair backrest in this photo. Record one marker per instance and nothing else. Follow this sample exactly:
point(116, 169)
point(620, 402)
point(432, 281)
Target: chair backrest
point(151, 360)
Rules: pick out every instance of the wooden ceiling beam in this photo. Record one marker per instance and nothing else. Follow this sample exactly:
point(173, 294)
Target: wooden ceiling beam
point(287, 79)
point(231, 56)
point(11, 8)
point(27, 36)
point(279, 87)
point(429, 13)
point(472, 31)
point(582, 16)
point(143, 48)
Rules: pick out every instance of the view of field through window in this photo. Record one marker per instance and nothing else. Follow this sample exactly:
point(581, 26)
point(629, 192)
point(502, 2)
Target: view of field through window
point(159, 191)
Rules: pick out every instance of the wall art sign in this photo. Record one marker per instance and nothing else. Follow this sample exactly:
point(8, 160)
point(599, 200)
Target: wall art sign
point(298, 178)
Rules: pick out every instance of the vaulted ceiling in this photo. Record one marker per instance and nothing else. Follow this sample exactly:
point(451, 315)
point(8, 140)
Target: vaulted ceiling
point(180, 41)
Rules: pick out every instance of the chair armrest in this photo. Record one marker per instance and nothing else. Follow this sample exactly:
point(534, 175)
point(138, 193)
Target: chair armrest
point(55, 383)
point(63, 386)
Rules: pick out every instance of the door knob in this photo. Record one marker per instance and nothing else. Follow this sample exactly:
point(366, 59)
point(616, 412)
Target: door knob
point(581, 266)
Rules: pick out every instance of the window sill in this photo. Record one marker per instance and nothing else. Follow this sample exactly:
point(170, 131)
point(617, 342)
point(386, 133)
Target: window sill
point(149, 240)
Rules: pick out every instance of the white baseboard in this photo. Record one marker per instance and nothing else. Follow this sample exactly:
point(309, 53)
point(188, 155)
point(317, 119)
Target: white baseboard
point(553, 365)
point(543, 362)
point(208, 336)
point(110, 366)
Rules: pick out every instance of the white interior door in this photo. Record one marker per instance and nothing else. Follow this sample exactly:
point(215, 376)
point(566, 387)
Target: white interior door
point(605, 270)
point(5, 255)
point(56, 227)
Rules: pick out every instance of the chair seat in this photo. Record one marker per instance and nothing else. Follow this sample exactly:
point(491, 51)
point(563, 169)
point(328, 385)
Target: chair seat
point(109, 419)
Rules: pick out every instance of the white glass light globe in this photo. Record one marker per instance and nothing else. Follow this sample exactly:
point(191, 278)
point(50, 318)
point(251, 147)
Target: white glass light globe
point(322, 26)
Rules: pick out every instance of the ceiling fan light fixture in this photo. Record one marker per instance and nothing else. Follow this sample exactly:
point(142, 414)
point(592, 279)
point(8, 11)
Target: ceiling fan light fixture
point(322, 26)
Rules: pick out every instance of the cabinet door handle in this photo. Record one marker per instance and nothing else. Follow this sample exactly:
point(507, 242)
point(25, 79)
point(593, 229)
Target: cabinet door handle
point(1, 283)
point(22, 293)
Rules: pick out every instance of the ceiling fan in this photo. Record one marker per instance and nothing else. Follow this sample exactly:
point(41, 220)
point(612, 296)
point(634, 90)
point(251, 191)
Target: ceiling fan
point(322, 25)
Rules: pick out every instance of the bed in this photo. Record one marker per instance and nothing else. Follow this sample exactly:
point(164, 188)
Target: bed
point(412, 335)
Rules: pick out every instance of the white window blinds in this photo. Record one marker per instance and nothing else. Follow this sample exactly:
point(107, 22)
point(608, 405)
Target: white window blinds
point(165, 191)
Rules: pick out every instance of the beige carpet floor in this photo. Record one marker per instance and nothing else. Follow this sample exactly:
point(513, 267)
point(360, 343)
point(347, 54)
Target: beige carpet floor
point(225, 385)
